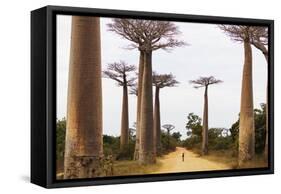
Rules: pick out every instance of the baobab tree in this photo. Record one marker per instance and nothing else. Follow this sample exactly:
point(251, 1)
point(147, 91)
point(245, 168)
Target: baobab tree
point(119, 72)
point(83, 143)
point(160, 81)
point(246, 150)
point(169, 128)
point(259, 38)
point(205, 82)
point(134, 91)
point(146, 36)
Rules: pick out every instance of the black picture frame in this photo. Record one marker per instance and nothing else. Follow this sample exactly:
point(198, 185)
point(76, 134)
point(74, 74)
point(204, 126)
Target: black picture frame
point(43, 95)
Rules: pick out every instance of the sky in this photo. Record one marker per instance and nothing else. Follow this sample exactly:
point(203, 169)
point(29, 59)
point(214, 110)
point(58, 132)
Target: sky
point(210, 52)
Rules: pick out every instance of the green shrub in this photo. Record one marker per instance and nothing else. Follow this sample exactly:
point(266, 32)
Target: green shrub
point(127, 153)
point(110, 145)
point(60, 138)
point(191, 142)
point(168, 143)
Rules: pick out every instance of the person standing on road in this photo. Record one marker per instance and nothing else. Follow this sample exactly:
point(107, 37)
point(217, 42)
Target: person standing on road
point(182, 156)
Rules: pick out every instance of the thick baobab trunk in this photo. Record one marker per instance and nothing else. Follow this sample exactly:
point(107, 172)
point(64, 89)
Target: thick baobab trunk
point(246, 124)
point(146, 153)
point(125, 119)
point(264, 51)
point(139, 92)
point(205, 124)
point(83, 143)
point(156, 122)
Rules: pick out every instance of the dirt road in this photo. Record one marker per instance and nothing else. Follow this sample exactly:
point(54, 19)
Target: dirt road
point(192, 162)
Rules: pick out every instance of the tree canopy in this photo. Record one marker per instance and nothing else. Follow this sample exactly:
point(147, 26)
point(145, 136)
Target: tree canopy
point(147, 34)
point(134, 89)
point(257, 35)
point(168, 127)
point(205, 81)
point(164, 80)
point(118, 71)
point(194, 125)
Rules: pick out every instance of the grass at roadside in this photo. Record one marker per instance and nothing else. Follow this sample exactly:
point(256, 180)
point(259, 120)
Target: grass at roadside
point(227, 157)
point(123, 168)
point(130, 167)
point(168, 162)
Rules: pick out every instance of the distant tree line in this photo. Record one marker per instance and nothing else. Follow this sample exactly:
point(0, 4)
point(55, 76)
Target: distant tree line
point(225, 138)
point(111, 144)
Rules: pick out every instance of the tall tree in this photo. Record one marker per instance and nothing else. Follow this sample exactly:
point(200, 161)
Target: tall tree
point(119, 72)
point(83, 143)
point(246, 125)
point(160, 81)
point(205, 82)
point(260, 125)
point(177, 136)
point(193, 126)
point(169, 128)
point(134, 91)
point(259, 38)
point(147, 36)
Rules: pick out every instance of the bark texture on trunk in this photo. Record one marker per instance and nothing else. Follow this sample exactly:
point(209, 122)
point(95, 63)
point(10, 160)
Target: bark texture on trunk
point(157, 122)
point(246, 124)
point(83, 144)
point(140, 75)
point(124, 140)
point(205, 124)
point(264, 51)
point(146, 154)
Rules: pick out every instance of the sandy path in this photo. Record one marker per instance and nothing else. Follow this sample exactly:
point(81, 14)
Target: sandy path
point(192, 162)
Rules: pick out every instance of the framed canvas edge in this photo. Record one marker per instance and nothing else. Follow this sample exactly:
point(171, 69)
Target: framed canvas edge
point(51, 181)
point(38, 100)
